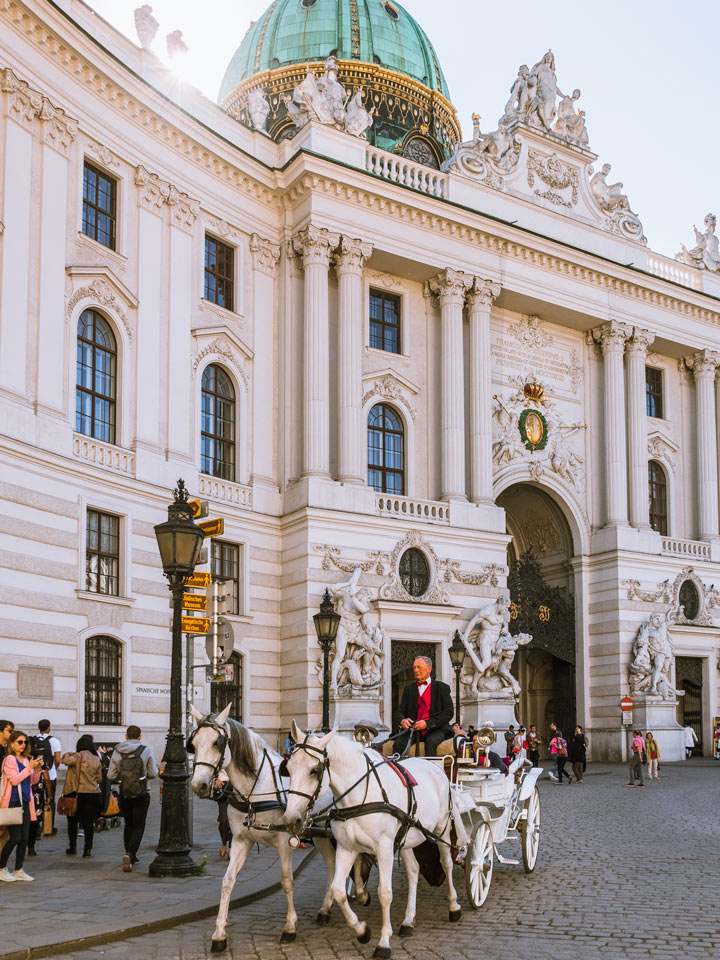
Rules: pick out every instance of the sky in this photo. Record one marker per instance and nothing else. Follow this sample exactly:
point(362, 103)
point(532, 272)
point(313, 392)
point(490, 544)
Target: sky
point(646, 69)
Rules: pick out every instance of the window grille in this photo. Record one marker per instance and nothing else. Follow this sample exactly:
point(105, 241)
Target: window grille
point(103, 682)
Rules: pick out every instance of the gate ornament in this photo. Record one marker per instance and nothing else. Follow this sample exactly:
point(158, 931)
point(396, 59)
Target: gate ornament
point(546, 612)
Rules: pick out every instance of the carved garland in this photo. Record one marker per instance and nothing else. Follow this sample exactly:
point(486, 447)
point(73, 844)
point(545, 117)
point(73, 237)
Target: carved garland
point(221, 348)
point(669, 594)
point(388, 388)
point(100, 292)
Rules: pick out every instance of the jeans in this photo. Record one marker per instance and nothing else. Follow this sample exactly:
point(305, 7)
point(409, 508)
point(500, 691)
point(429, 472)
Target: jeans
point(636, 769)
point(135, 811)
point(17, 839)
point(88, 810)
point(561, 768)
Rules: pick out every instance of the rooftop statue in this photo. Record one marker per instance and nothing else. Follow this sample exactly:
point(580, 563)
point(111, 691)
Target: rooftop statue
point(608, 195)
point(706, 254)
point(258, 109)
point(146, 26)
point(570, 123)
point(325, 100)
point(500, 146)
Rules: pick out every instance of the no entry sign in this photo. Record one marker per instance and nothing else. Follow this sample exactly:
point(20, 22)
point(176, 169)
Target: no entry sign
point(626, 703)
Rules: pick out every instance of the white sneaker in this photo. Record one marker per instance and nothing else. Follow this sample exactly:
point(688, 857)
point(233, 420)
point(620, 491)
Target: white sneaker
point(7, 876)
point(552, 775)
point(21, 875)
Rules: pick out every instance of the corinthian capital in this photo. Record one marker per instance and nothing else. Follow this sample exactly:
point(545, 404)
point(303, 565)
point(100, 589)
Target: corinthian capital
point(450, 286)
point(265, 254)
point(315, 245)
point(704, 363)
point(640, 342)
point(612, 336)
point(351, 255)
point(483, 293)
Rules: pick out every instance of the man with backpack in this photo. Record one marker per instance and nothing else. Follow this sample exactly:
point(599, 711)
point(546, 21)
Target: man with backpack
point(49, 748)
point(132, 765)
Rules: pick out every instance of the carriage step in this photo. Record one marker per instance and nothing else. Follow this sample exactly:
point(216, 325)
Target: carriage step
point(502, 859)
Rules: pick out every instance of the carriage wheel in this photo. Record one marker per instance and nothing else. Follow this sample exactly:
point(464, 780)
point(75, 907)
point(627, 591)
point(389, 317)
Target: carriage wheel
point(479, 865)
point(530, 830)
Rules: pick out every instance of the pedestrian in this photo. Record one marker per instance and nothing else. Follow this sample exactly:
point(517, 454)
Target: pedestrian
point(83, 782)
point(638, 745)
point(519, 747)
point(132, 765)
point(652, 752)
point(51, 750)
point(6, 728)
point(533, 741)
point(19, 771)
point(553, 774)
point(576, 753)
point(509, 737)
point(690, 741)
point(289, 744)
point(41, 799)
point(558, 747)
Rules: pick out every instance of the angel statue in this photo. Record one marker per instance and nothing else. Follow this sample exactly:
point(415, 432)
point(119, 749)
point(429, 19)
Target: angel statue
point(706, 254)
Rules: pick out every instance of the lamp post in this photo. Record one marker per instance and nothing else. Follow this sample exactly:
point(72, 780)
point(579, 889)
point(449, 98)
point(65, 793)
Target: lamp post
point(457, 658)
point(326, 627)
point(179, 542)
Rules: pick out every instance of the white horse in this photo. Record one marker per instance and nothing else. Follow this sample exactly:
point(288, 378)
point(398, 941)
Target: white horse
point(252, 769)
point(359, 777)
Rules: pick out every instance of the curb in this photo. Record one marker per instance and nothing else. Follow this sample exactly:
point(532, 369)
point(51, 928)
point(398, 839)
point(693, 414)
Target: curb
point(154, 926)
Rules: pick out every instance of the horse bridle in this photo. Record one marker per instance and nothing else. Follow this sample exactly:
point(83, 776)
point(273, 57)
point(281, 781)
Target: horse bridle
point(319, 752)
point(220, 745)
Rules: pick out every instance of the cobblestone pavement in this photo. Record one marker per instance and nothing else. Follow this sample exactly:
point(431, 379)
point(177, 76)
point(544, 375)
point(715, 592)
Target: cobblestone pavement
point(622, 873)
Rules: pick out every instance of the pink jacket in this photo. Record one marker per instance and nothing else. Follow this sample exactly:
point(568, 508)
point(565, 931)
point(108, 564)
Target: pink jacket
point(14, 774)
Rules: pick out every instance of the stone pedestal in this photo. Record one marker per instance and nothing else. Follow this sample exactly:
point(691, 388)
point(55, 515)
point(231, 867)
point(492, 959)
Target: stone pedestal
point(659, 717)
point(346, 711)
point(494, 708)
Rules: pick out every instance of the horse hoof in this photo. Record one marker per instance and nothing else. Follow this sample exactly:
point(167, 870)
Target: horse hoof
point(382, 953)
point(455, 915)
point(218, 946)
point(365, 937)
point(406, 930)
point(286, 937)
point(366, 902)
point(322, 919)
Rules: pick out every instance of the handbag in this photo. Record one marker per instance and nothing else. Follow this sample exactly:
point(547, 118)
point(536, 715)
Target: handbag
point(113, 807)
point(47, 820)
point(67, 804)
point(10, 816)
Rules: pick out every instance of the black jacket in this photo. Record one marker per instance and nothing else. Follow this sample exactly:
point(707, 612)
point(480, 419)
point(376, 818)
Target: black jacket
point(441, 706)
point(576, 749)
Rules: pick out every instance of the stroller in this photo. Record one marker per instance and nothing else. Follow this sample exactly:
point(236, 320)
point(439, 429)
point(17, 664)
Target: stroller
point(110, 815)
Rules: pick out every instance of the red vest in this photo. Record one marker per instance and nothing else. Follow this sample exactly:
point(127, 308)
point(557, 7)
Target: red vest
point(423, 711)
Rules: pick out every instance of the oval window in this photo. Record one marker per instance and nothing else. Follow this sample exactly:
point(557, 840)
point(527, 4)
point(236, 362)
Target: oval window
point(414, 572)
point(309, 3)
point(689, 600)
point(391, 11)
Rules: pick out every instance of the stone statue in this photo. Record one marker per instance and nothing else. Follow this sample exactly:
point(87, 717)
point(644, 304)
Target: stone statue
point(706, 254)
point(362, 667)
point(325, 100)
point(652, 658)
point(258, 109)
point(517, 104)
point(146, 26)
point(354, 603)
point(492, 651)
point(570, 123)
point(357, 118)
point(500, 146)
point(543, 92)
point(176, 46)
point(609, 196)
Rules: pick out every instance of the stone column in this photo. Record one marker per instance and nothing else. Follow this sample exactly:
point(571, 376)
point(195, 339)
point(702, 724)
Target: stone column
point(480, 300)
point(704, 365)
point(315, 246)
point(450, 287)
point(349, 262)
point(637, 428)
point(611, 337)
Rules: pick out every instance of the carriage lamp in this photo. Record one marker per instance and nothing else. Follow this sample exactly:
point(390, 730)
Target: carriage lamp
point(179, 542)
point(457, 658)
point(326, 627)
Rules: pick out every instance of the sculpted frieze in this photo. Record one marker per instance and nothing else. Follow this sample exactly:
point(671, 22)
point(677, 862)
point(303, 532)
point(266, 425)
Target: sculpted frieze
point(557, 176)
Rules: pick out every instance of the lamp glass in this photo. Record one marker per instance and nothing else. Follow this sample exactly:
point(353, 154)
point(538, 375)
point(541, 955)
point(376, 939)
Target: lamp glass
point(457, 652)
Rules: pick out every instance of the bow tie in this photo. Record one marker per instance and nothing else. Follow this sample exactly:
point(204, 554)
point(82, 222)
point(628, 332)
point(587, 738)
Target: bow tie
point(422, 683)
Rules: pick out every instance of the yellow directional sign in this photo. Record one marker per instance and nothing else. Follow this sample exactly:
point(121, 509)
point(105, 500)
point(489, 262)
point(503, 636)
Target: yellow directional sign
point(195, 624)
point(194, 601)
point(200, 508)
point(212, 528)
point(198, 580)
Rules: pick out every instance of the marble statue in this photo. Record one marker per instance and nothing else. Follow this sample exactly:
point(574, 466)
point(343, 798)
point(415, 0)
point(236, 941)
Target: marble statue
point(517, 104)
point(500, 146)
point(492, 650)
point(357, 118)
point(570, 123)
point(176, 46)
point(325, 100)
point(258, 109)
point(361, 668)
point(652, 652)
point(146, 26)
point(609, 196)
point(353, 605)
point(706, 254)
point(543, 91)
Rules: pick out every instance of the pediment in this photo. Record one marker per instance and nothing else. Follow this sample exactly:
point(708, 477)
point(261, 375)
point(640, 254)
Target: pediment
point(390, 385)
point(92, 273)
point(222, 344)
point(661, 447)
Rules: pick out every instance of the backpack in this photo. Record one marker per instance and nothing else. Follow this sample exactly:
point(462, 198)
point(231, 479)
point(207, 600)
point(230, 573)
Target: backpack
point(41, 747)
point(561, 747)
point(132, 774)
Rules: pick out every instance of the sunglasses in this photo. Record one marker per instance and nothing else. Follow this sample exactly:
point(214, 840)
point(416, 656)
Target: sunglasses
point(21, 743)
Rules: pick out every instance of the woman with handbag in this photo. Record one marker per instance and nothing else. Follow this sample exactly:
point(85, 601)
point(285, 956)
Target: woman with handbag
point(17, 807)
point(82, 785)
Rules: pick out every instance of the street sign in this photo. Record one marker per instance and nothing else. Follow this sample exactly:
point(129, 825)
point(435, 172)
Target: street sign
point(229, 671)
point(195, 624)
point(220, 634)
point(212, 528)
point(200, 508)
point(194, 601)
point(627, 718)
point(626, 703)
point(198, 580)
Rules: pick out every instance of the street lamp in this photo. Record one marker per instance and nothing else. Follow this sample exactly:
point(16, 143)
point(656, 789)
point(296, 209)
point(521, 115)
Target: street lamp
point(457, 658)
point(326, 627)
point(179, 543)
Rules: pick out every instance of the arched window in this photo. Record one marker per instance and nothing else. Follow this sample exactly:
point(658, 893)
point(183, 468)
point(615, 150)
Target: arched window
point(96, 378)
point(103, 681)
point(386, 450)
point(217, 454)
point(657, 482)
point(229, 691)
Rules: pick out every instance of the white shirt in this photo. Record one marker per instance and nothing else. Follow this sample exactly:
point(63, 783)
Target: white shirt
point(55, 747)
point(422, 687)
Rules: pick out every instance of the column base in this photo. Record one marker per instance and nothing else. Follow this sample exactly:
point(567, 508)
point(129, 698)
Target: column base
point(621, 536)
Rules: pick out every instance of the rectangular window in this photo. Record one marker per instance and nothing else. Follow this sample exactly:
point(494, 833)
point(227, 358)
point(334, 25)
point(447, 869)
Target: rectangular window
point(102, 553)
point(219, 272)
point(225, 565)
point(384, 321)
point(99, 199)
point(103, 682)
point(654, 392)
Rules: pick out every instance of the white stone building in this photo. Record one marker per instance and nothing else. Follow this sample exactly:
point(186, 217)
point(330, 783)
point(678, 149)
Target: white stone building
point(355, 341)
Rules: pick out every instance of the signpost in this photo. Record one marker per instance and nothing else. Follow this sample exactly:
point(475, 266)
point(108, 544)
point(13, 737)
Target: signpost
point(212, 528)
point(626, 705)
point(198, 580)
point(195, 624)
point(194, 601)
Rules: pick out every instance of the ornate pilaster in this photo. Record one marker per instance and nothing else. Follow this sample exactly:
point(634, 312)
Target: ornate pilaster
point(450, 288)
point(152, 191)
point(637, 349)
point(612, 337)
point(315, 246)
point(704, 365)
point(59, 130)
point(183, 209)
point(265, 255)
point(480, 300)
point(22, 103)
point(349, 262)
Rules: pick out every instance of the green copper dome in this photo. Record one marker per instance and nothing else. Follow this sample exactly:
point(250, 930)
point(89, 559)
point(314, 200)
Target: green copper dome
point(378, 32)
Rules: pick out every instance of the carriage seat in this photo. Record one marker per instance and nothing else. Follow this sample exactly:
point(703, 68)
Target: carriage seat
point(446, 749)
